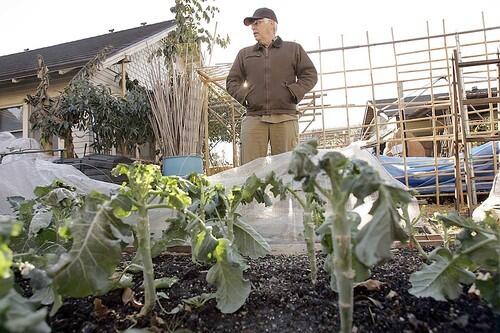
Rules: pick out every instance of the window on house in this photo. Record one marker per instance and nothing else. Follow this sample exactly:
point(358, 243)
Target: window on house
point(11, 120)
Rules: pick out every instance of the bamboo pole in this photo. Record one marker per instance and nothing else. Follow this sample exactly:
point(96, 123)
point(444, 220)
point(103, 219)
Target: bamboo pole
point(433, 114)
point(490, 105)
point(345, 93)
point(469, 175)
point(205, 122)
point(402, 40)
point(233, 127)
point(441, 48)
point(450, 87)
point(498, 87)
point(401, 111)
point(375, 111)
point(321, 88)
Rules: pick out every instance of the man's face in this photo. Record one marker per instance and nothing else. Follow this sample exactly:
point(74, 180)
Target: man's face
point(263, 31)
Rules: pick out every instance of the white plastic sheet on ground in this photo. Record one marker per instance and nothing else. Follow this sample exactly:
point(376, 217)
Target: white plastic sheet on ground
point(491, 204)
point(279, 223)
point(282, 222)
point(21, 173)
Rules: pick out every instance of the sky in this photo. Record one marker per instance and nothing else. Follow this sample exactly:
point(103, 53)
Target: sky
point(34, 24)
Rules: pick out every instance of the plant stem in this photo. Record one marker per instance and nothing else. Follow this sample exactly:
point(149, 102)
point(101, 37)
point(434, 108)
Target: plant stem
point(446, 238)
point(309, 238)
point(420, 250)
point(411, 232)
point(342, 265)
point(230, 226)
point(144, 248)
point(307, 220)
point(156, 206)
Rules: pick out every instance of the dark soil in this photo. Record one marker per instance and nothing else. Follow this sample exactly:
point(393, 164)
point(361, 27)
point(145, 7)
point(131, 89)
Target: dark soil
point(282, 300)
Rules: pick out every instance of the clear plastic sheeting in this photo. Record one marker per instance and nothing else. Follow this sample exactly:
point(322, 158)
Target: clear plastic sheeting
point(491, 204)
point(282, 222)
point(20, 173)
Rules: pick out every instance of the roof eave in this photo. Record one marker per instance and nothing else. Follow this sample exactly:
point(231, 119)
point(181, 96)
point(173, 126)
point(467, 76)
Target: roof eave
point(119, 55)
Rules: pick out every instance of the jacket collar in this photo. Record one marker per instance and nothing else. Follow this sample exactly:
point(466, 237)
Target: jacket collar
point(277, 42)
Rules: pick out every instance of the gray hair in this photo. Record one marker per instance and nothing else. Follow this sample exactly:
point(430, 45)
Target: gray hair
point(275, 24)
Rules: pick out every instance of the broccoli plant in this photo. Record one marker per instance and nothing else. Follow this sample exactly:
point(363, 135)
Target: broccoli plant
point(45, 220)
point(312, 217)
point(101, 226)
point(477, 249)
point(104, 225)
point(351, 250)
point(17, 314)
point(147, 189)
point(220, 236)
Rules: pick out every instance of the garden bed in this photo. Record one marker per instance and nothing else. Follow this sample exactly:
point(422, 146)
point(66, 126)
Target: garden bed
point(282, 300)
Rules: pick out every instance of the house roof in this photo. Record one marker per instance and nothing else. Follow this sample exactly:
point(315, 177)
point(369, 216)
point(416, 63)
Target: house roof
point(76, 53)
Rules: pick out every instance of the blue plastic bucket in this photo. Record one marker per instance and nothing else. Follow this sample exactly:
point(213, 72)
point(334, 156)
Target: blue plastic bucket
point(182, 165)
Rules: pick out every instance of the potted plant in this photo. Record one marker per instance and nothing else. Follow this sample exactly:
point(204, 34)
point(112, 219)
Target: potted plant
point(176, 92)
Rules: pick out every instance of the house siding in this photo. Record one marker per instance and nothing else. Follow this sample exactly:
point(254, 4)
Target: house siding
point(14, 94)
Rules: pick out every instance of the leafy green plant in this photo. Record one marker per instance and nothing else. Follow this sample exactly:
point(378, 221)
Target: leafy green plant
point(190, 16)
point(477, 249)
point(219, 235)
point(47, 114)
point(8, 229)
point(313, 214)
point(99, 227)
point(45, 220)
point(17, 314)
point(219, 126)
point(351, 250)
point(441, 228)
point(99, 233)
point(114, 121)
point(312, 217)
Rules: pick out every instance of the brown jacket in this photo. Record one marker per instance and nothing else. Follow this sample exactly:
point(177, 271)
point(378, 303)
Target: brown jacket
point(277, 77)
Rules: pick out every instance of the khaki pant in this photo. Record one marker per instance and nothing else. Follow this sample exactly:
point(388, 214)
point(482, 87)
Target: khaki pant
point(256, 135)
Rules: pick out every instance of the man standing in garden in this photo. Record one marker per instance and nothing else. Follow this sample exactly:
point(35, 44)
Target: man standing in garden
point(269, 78)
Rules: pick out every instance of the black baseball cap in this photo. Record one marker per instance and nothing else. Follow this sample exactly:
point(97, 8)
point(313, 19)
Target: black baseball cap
point(260, 14)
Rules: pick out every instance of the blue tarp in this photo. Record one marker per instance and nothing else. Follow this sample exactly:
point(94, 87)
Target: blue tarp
point(421, 175)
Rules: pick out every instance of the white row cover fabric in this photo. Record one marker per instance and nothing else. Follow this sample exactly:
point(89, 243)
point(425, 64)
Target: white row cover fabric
point(279, 223)
point(21, 173)
point(282, 222)
point(491, 205)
